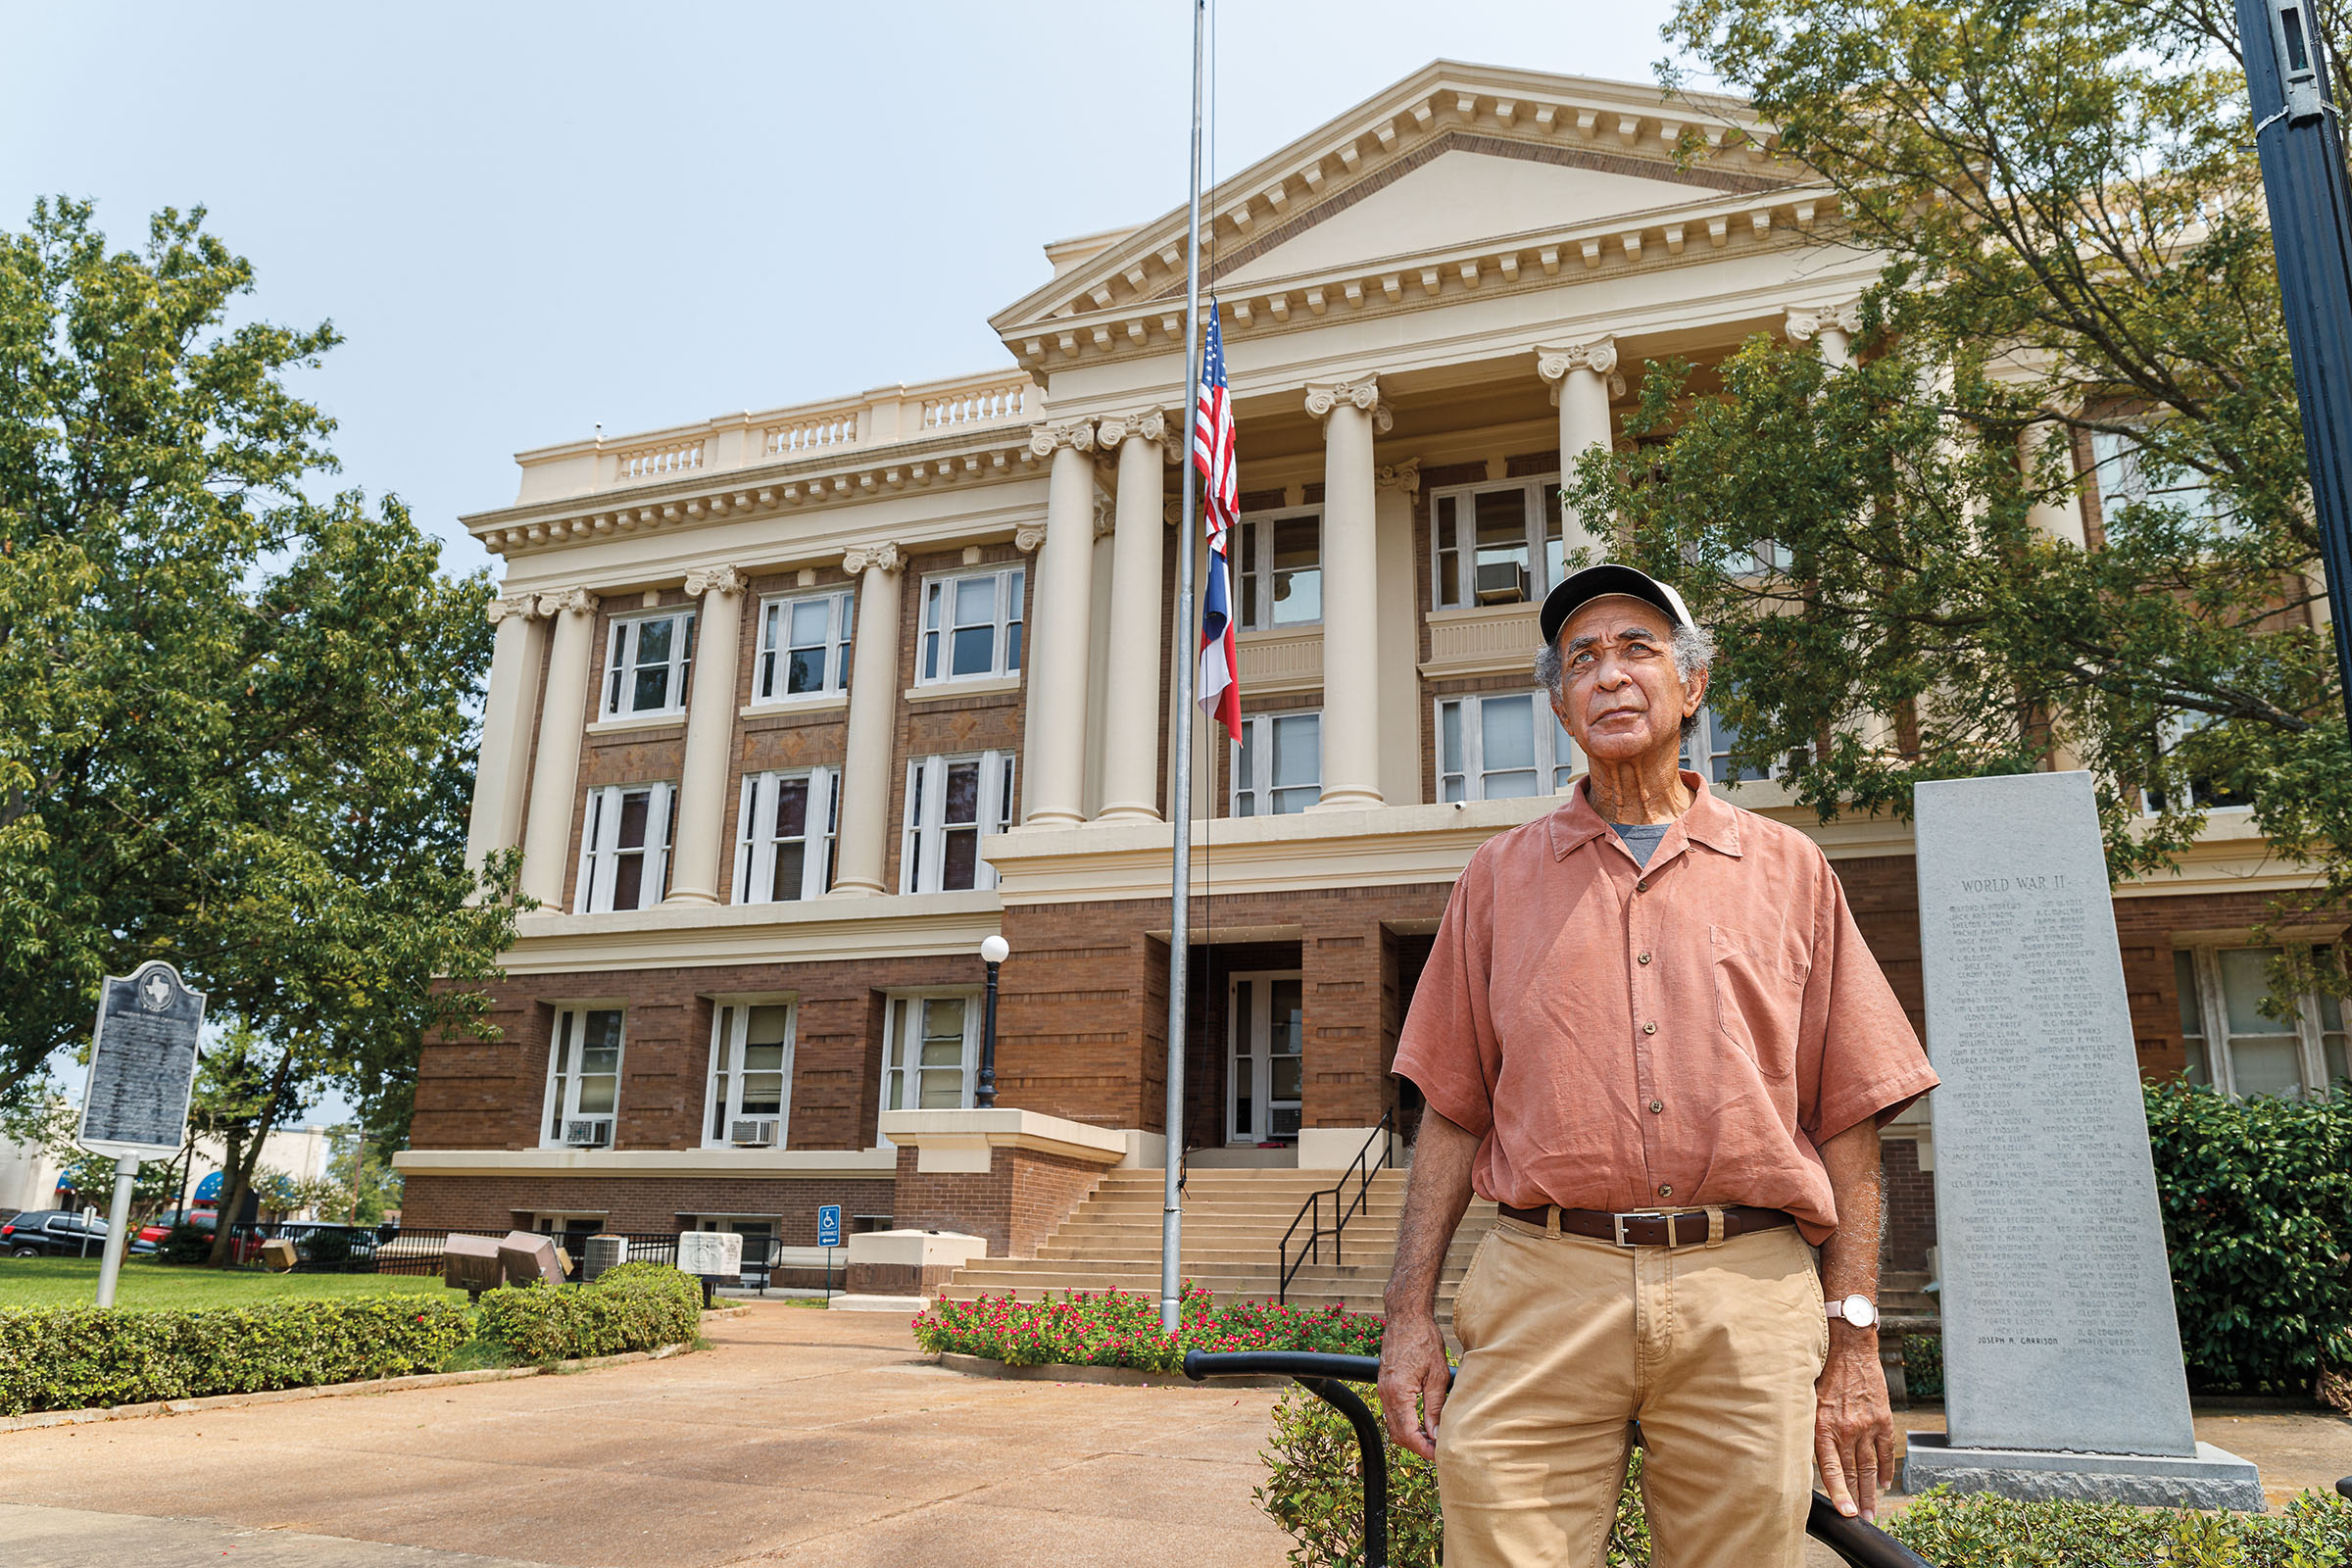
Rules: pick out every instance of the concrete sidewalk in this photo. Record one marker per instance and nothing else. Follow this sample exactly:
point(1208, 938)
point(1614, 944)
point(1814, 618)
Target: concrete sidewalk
point(802, 1435)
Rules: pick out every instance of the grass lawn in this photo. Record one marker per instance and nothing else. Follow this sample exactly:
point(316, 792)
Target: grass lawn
point(73, 1282)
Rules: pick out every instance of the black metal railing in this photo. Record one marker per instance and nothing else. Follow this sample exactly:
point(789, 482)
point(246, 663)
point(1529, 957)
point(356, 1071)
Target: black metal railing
point(1310, 1212)
point(1326, 1377)
point(328, 1249)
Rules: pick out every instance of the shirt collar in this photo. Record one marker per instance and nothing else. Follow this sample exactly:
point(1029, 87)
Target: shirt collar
point(1709, 820)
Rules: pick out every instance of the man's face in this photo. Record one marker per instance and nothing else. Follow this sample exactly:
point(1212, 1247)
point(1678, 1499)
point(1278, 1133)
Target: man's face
point(1621, 697)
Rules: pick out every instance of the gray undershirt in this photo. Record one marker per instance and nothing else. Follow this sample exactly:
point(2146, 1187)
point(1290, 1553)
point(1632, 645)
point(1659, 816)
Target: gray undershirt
point(1641, 838)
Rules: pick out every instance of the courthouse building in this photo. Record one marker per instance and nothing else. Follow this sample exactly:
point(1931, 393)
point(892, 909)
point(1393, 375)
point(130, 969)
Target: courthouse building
point(791, 710)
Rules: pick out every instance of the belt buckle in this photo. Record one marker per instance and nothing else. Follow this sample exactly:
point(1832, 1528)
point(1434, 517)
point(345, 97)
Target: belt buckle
point(1618, 1222)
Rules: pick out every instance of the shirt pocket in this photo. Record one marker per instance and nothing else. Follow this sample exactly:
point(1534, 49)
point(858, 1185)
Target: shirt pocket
point(1759, 999)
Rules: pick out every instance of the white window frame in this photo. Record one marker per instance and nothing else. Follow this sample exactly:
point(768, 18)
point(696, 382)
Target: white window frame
point(2115, 465)
point(933, 642)
point(1253, 765)
point(619, 695)
point(923, 845)
point(2305, 1024)
point(1709, 753)
point(1241, 1039)
point(1542, 511)
point(1254, 567)
point(900, 1007)
point(560, 1101)
point(2170, 732)
point(770, 674)
point(1556, 757)
point(756, 843)
point(601, 850)
point(722, 1088)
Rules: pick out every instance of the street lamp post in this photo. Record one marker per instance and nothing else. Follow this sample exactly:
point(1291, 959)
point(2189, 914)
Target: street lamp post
point(994, 951)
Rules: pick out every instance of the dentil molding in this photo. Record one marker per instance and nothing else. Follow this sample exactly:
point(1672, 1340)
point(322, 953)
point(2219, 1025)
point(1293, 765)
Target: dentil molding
point(714, 580)
point(883, 557)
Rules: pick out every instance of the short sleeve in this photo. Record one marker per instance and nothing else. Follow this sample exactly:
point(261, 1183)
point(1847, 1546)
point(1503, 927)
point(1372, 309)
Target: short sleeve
point(1448, 1048)
point(1858, 1055)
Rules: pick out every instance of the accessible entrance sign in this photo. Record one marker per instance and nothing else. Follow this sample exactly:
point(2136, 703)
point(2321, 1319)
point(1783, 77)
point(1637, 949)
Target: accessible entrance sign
point(828, 1225)
point(142, 1064)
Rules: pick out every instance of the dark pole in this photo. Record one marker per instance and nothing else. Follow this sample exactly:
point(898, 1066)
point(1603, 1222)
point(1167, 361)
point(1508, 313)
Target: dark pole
point(986, 1096)
point(2302, 153)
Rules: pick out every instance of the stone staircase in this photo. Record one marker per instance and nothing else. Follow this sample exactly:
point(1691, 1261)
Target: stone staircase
point(1233, 1226)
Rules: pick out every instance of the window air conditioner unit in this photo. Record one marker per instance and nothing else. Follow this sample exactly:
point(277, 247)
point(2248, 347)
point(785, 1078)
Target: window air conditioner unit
point(596, 1134)
point(751, 1134)
point(1502, 583)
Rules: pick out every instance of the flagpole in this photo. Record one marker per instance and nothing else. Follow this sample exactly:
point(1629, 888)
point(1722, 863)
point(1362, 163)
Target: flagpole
point(1180, 785)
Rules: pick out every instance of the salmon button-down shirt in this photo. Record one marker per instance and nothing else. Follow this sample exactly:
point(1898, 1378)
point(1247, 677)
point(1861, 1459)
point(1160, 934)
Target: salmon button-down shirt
point(1686, 1034)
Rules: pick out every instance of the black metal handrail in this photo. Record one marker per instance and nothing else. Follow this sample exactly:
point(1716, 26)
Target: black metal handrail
point(1310, 1212)
point(1326, 1377)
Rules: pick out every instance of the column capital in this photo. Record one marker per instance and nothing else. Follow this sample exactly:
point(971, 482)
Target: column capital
point(1028, 536)
point(1805, 321)
point(522, 606)
point(1144, 424)
point(1046, 439)
point(1107, 514)
point(1405, 476)
point(567, 601)
point(882, 555)
point(716, 580)
point(1554, 361)
point(1364, 393)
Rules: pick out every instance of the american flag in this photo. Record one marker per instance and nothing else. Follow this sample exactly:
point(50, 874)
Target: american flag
point(1220, 690)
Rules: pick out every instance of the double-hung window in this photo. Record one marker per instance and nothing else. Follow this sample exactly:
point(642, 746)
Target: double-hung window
point(951, 803)
point(1708, 751)
point(1279, 770)
point(1496, 544)
point(803, 646)
point(647, 665)
point(1278, 566)
point(784, 837)
point(624, 848)
point(584, 1078)
point(1498, 748)
point(971, 626)
point(2241, 1044)
point(750, 1075)
point(931, 1052)
point(2204, 791)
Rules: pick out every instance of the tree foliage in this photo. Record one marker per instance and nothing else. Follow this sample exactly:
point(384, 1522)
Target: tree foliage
point(2066, 200)
point(237, 734)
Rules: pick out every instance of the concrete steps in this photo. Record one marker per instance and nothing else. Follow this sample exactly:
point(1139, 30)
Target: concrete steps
point(1234, 1223)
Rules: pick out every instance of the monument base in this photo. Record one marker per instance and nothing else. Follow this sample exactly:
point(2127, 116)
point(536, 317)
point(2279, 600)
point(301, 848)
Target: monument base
point(2215, 1477)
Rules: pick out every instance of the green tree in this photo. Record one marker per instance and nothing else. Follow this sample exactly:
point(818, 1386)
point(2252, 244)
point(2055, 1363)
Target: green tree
point(2065, 196)
point(238, 734)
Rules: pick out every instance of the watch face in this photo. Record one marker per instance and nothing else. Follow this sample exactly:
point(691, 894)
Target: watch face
point(1858, 1311)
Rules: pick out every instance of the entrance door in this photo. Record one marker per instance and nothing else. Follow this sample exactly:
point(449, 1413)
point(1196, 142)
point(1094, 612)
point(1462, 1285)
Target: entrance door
point(1265, 1030)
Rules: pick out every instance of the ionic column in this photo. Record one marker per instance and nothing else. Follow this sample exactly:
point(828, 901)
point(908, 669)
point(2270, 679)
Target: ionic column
point(702, 813)
point(1059, 610)
point(867, 793)
point(1833, 325)
point(1583, 376)
point(1131, 705)
point(1351, 414)
point(501, 778)
point(562, 717)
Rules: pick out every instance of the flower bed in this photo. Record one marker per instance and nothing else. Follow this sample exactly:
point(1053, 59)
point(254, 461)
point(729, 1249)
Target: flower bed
point(1120, 1328)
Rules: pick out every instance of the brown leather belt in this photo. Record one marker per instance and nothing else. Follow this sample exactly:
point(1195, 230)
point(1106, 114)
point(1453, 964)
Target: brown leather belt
point(1650, 1229)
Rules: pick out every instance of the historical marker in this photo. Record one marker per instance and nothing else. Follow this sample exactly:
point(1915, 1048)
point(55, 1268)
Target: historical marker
point(2062, 1374)
point(142, 1064)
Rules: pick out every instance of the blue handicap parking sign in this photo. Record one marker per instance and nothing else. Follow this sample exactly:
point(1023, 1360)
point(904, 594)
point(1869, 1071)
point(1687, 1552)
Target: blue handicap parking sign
point(828, 1225)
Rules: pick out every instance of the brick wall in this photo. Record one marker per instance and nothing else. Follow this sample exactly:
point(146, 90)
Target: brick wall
point(636, 1202)
point(1910, 1207)
point(1014, 1204)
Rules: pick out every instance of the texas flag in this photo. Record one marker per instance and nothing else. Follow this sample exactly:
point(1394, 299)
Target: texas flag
point(1220, 689)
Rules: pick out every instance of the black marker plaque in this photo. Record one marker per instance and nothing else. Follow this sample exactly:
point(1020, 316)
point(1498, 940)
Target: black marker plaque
point(142, 1063)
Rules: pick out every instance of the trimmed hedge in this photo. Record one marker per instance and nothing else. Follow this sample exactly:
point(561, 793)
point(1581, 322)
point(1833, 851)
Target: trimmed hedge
point(637, 1306)
point(82, 1356)
point(2257, 1200)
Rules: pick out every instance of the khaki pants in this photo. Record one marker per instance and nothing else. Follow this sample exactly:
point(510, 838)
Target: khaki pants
point(1566, 1341)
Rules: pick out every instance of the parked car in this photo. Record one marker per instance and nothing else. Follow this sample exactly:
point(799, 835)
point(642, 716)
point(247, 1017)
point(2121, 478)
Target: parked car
point(58, 1233)
point(156, 1229)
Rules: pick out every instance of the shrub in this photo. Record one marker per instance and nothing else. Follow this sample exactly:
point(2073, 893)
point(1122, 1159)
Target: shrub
point(1922, 1365)
point(2257, 1200)
point(1122, 1329)
point(88, 1356)
point(184, 1242)
point(637, 1306)
point(1988, 1532)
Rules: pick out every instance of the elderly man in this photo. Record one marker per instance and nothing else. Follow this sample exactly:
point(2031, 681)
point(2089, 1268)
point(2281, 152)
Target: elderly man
point(1650, 1032)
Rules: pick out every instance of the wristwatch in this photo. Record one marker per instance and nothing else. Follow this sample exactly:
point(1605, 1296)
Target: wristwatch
point(1858, 1311)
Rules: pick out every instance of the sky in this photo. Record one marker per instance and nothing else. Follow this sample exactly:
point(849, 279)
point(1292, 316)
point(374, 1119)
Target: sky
point(526, 218)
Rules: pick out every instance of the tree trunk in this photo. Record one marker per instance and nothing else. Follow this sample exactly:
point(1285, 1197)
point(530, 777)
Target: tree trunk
point(236, 1177)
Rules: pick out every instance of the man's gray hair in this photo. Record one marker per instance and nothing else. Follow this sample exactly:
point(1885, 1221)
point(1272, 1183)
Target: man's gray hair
point(1693, 648)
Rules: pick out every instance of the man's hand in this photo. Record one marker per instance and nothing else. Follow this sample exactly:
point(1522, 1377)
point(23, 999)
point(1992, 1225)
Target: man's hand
point(1853, 1425)
point(1412, 1364)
